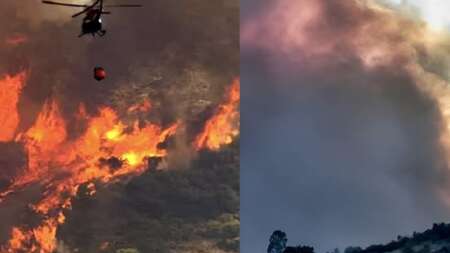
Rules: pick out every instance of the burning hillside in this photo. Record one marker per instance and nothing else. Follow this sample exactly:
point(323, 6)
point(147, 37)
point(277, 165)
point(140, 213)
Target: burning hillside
point(68, 144)
point(224, 126)
point(60, 165)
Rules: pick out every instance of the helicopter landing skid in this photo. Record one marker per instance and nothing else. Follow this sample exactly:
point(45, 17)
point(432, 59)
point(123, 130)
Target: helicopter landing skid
point(101, 33)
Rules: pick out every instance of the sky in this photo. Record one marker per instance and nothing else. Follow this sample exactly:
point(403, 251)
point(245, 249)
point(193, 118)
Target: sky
point(432, 11)
point(344, 121)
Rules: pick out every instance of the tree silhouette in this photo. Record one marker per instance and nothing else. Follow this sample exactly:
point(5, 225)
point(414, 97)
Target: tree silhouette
point(299, 249)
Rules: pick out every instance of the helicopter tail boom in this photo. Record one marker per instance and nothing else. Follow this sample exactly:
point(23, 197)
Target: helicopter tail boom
point(64, 4)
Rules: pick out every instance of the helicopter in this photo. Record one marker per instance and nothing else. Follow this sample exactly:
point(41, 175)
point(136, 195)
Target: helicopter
point(92, 22)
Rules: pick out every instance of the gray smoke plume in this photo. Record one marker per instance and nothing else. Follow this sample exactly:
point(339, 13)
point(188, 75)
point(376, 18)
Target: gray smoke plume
point(348, 149)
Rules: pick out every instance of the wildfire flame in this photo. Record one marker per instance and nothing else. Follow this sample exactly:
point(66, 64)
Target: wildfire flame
point(10, 89)
point(145, 106)
point(60, 164)
point(223, 127)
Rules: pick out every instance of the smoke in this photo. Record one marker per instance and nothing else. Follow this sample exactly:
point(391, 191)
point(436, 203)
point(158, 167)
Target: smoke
point(62, 248)
point(357, 99)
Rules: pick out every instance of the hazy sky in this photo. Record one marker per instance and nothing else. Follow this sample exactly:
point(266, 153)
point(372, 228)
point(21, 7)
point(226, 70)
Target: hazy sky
point(341, 129)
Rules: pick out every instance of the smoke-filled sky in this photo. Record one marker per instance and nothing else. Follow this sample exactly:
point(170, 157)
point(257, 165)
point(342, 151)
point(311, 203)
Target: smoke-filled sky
point(344, 121)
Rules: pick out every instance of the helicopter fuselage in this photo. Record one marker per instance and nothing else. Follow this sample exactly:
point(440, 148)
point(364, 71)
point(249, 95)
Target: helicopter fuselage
point(92, 24)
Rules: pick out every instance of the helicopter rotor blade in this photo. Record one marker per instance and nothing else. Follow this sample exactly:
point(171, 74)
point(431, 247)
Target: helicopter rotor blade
point(79, 13)
point(123, 5)
point(64, 4)
point(88, 7)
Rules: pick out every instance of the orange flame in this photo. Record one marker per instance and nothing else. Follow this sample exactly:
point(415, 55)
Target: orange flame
point(145, 106)
point(61, 165)
point(10, 89)
point(223, 127)
point(17, 240)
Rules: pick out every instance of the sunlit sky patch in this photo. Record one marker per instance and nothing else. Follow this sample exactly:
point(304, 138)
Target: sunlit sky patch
point(433, 12)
